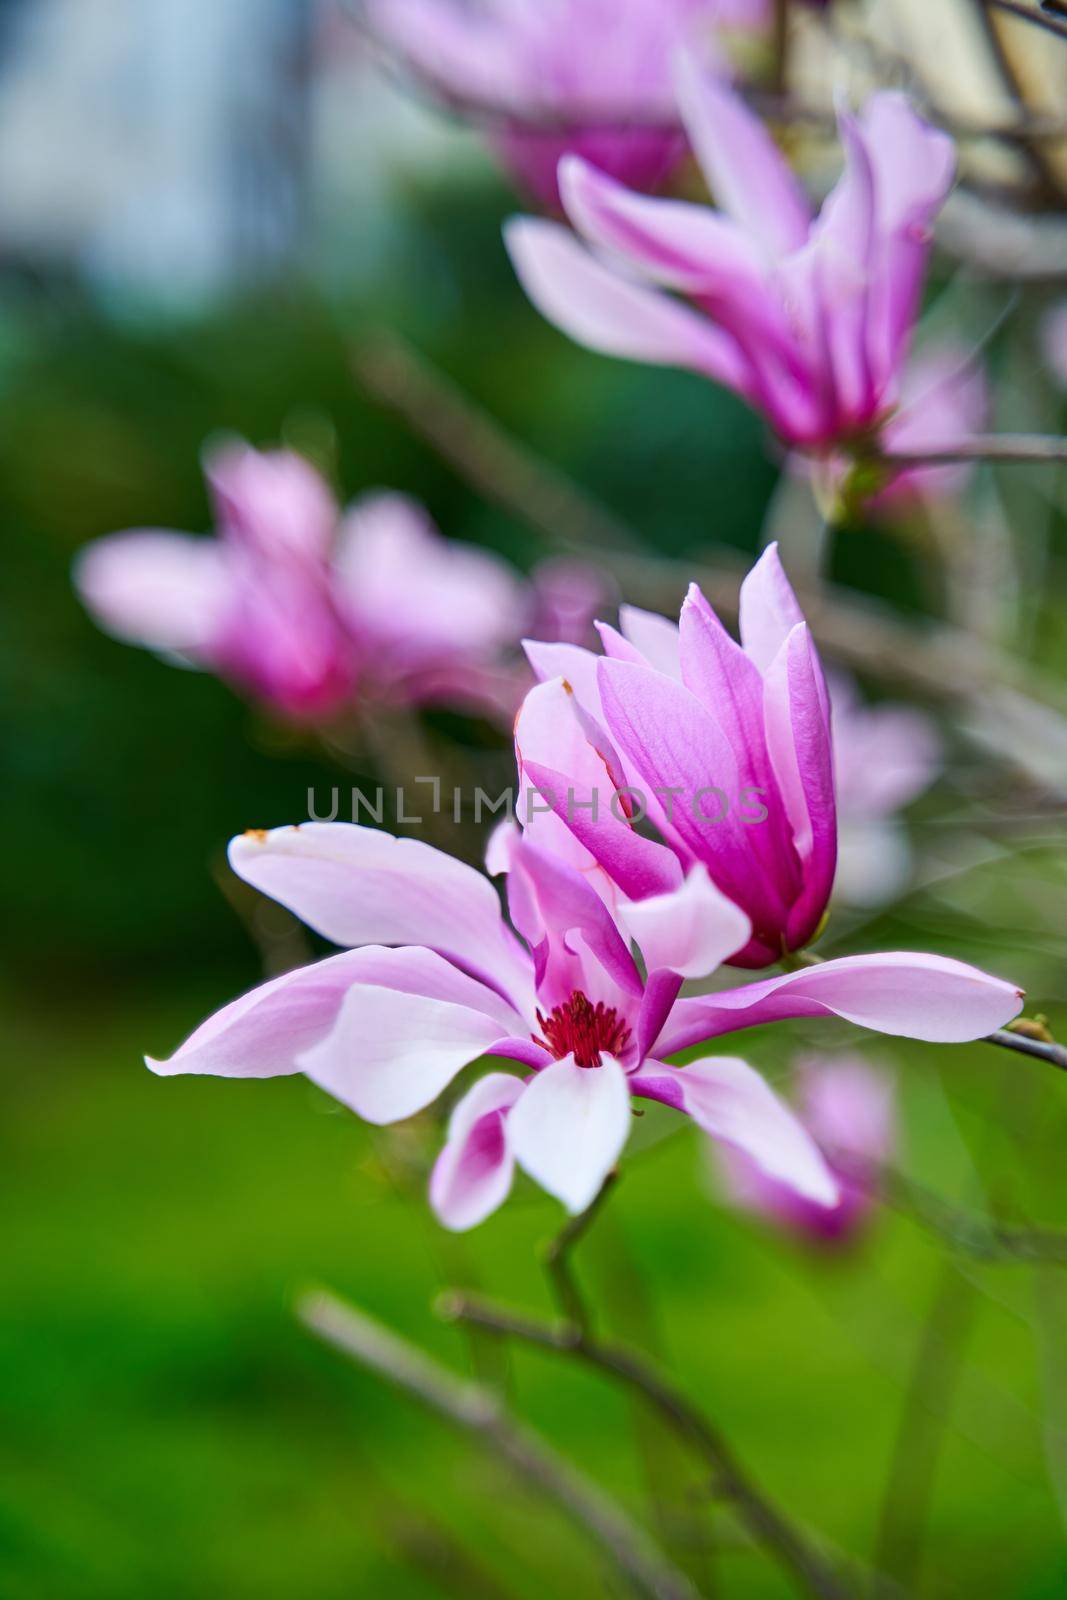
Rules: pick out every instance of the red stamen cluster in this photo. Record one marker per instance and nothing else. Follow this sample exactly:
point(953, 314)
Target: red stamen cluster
point(580, 1029)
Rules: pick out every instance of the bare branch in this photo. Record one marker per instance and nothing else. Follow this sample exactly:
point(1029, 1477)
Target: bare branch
point(767, 1525)
point(476, 1409)
point(1030, 13)
point(1023, 449)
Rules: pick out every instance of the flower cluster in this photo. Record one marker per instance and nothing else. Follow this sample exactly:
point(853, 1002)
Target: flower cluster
point(577, 994)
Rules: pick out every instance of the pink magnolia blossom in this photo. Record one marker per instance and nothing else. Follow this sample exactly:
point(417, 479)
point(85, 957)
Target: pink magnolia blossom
point(807, 318)
point(727, 746)
point(558, 994)
point(848, 1107)
point(885, 756)
point(301, 606)
point(559, 77)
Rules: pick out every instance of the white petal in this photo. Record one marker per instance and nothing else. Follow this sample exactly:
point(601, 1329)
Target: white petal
point(691, 930)
point(570, 1126)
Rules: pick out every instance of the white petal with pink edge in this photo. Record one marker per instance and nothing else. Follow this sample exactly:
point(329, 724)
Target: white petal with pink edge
point(570, 1126)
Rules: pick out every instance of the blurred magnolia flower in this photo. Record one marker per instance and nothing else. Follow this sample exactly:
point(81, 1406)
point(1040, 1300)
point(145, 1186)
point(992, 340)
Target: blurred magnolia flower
point(848, 1108)
point(559, 995)
point(808, 318)
point(730, 745)
point(885, 756)
point(944, 400)
point(301, 606)
point(564, 77)
point(1054, 342)
point(567, 595)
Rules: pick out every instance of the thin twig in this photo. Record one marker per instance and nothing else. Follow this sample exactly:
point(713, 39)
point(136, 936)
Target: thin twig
point(557, 1260)
point(767, 1525)
point(477, 1409)
point(1039, 1049)
point(1023, 449)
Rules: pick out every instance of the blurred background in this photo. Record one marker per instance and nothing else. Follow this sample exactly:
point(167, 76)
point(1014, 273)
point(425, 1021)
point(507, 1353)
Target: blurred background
point(209, 213)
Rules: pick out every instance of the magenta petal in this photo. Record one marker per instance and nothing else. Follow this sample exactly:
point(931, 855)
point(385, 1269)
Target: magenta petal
point(912, 995)
point(473, 1173)
point(567, 904)
point(801, 752)
point(677, 749)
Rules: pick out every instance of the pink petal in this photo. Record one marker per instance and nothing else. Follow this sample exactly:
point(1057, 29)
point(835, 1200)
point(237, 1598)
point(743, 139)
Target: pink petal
point(746, 172)
point(914, 996)
point(844, 238)
point(415, 599)
point(769, 610)
point(690, 930)
point(606, 312)
point(672, 743)
point(729, 1100)
point(571, 662)
point(162, 590)
point(569, 1128)
point(394, 1049)
point(261, 1034)
point(273, 502)
point(472, 1175)
point(673, 242)
point(359, 885)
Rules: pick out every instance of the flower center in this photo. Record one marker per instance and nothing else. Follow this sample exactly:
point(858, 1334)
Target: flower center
point(580, 1029)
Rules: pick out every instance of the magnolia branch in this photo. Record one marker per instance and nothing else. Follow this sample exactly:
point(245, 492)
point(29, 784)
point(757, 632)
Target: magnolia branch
point(476, 1409)
point(1023, 449)
point(574, 1336)
point(765, 1523)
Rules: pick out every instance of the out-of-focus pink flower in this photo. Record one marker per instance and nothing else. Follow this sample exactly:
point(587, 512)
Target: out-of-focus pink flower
point(567, 596)
point(729, 746)
point(808, 319)
point(303, 608)
point(558, 995)
point(848, 1108)
point(885, 756)
point(558, 77)
point(944, 400)
point(1054, 342)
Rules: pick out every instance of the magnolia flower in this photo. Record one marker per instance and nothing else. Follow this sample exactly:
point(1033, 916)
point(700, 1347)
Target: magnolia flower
point(300, 606)
point(559, 77)
point(558, 996)
point(885, 756)
point(808, 319)
point(727, 749)
point(848, 1107)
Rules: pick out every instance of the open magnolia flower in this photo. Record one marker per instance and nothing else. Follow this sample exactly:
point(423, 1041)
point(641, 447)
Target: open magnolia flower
point(849, 1108)
point(552, 77)
point(558, 995)
point(808, 318)
point(726, 748)
point(306, 608)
